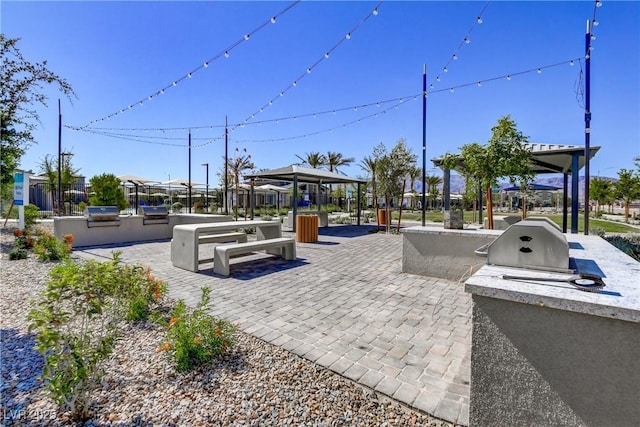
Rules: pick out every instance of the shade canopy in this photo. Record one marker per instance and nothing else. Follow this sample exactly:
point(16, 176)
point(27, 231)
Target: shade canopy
point(137, 180)
point(181, 181)
point(534, 187)
point(271, 187)
point(309, 175)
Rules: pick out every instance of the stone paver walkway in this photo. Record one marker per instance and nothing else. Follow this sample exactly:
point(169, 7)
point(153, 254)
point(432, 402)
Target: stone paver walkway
point(343, 304)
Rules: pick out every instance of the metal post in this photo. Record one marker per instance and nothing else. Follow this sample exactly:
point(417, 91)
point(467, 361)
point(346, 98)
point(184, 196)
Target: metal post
point(587, 125)
point(226, 166)
point(206, 203)
point(189, 190)
point(59, 156)
point(565, 201)
point(424, 144)
point(575, 205)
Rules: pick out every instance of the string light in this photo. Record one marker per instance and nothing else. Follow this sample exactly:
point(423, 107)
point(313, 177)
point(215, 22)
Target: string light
point(226, 53)
point(328, 52)
point(465, 41)
point(188, 75)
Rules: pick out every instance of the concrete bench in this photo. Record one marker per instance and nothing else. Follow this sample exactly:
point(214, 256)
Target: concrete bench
point(286, 246)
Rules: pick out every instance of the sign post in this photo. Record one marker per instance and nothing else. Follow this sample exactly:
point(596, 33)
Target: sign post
point(20, 195)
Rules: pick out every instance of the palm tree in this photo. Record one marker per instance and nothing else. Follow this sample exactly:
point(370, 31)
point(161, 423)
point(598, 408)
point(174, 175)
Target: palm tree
point(432, 182)
point(334, 160)
point(237, 165)
point(49, 168)
point(315, 160)
point(415, 172)
point(369, 165)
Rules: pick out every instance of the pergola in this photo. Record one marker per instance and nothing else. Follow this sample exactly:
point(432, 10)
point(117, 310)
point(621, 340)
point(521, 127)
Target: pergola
point(546, 158)
point(296, 174)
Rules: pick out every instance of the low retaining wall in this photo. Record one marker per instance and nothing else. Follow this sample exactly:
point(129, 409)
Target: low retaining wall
point(448, 254)
point(129, 229)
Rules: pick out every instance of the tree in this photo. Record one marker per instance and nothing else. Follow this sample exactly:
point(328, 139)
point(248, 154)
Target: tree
point(369, 164)
point(627, 189)
point(506, 155)
point(20, 95)
point(237, 165)
point(600, 190)
point(415, 173)
point(335, 160)
point(49, 168)
point(107, 191)
point(315, 160)
point(432, 182)
point(392, 169)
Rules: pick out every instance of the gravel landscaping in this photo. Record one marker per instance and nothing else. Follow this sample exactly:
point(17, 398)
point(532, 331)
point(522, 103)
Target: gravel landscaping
point(256, 383)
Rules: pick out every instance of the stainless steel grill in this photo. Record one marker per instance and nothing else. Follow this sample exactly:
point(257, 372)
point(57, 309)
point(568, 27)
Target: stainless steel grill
point(154, 214)
point(102, 216)
point(537, 245)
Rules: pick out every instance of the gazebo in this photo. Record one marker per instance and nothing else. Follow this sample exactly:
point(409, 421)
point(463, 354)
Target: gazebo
point(296, 174)
point(546, 158)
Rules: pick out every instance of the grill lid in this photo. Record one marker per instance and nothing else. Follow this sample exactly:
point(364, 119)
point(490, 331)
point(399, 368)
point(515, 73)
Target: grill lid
point(538, 245)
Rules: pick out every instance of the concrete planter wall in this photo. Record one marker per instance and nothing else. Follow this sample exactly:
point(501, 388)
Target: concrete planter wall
point(453, 220)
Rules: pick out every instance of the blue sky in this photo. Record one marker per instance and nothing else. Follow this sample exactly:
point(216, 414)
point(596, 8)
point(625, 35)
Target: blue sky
point(117, 53)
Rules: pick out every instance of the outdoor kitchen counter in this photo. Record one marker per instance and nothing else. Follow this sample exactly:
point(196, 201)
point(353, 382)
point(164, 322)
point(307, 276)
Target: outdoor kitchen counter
point(620, 299)
point(547, 353)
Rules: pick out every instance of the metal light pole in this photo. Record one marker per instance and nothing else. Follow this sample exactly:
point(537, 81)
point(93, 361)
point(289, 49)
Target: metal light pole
point(226, 166)
point(424, 143)
point(60, 167)
point(587, 125)
point(59, 155)
point(206, 203)
point(189, 189)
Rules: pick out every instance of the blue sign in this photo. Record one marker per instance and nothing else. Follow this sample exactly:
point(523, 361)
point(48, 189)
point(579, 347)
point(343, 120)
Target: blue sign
point(18, 189)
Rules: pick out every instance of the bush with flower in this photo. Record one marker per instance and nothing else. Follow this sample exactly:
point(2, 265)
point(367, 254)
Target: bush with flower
point(195, 337)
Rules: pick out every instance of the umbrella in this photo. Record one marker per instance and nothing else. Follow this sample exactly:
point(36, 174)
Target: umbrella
point(136, 180)
point(181, 181)
point(138, 193)
point(271, 187)
point(159, 194)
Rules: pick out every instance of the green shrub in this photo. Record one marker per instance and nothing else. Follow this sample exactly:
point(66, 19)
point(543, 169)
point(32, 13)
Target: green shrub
point(194, 337)
point(78, 319)
point(48, 248)
point(107, 191)
point(31, 214)
point(176, 207)
point(628, 245)
point(18, 253)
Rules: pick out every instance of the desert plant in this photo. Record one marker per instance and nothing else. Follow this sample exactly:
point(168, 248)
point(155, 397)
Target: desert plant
point(48, 248)
point(18, 253)
point(31, 214)
point(194, 337)
point(78, 318)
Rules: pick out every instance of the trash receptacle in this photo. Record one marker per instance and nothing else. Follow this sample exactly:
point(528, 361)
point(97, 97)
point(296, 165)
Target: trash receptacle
point(306, 228)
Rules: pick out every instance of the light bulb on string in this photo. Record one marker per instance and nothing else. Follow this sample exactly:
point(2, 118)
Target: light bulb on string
point(539, 71)
point(189, 75)
point(508, 77)
point(206, 64)
point(437, 78)
point(281, 93)
point(161, 91)
point(326, 55)
point(174, 83)
point(571, 62)
point(270, 102)
point(598, 3)
point(375, 12)
point(308, 70)
point(593, 37)
point(247, 36)
point(294, 84)
point(226, 53)
point(348, 36)
point(479, 20)
point(466, 40)
point(445, 69)
point(479, 84)
point(130, 107)
point(431, 86)
point(273, 19)
point(451, 90)
point(595, 23)
point(455, 57)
